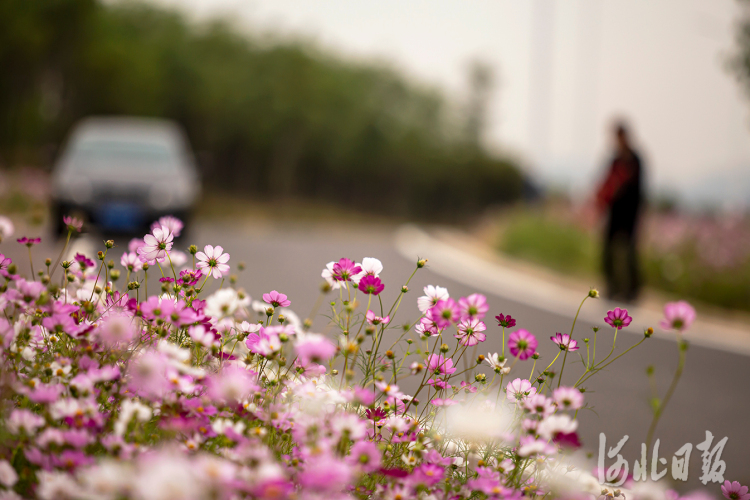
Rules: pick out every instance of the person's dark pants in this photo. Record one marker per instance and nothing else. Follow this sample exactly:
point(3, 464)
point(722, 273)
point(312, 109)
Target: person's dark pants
point(620, 261)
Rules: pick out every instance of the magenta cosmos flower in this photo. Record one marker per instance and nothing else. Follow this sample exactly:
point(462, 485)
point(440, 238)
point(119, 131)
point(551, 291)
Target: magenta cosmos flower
point(445, 312)
point(370, 285)
point(734, 491)
point(73, 223)
point(470, 332)
point(564, 341)
point(678, 316)
point(473, 307)
point(156, 245)
point(440, 364)
point(505, 321)
point(29, 242)
point(344, 270)
point(618, 318)
point(522, 344)
point(276, 299)
point(213, 261)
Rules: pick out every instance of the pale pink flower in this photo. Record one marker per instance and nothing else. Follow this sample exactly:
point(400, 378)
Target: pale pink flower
point(678, 316)
point(519, 390)
point(470, 332)
point(568, 398)
point(172, 223)
point(734, 491)
point(474, 306)
point(212, 260)
point(156, 245)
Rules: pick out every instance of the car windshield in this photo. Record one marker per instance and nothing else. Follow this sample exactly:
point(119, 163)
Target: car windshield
point(113, 155)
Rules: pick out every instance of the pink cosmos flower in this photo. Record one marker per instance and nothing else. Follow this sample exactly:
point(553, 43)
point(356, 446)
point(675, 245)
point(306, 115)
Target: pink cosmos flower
point(427, 474)
point(213, 261)
point(568, 398)
point(189, 277)
point(131, 262)
point(473, 306)
point(276, 299)
point(443, 402)
point(445, 312)
point(539, 404)
point(519, 390)
point(83, 261)
point(156, 245)
point(172, 223)
point(678, 316)
point(734, 491)
point(365, 455)
point(314, 348)
point(73, 223)
point(505, 321)
point(370, 285)
point(564, 342)
point(345, 270)
point(470, 332)
point(376, 320)
point(29, 242)
point(618, 318)
point(522, 344)
point(437, 363)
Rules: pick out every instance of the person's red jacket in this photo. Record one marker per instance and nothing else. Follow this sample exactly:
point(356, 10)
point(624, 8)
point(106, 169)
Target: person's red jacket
point(618, 176)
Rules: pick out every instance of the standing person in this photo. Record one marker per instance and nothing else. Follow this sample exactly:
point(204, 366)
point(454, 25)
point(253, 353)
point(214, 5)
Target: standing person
point(621, 196)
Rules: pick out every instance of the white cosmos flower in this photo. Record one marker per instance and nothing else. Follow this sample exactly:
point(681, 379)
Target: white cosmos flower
point(431, 297)
point(6, 227)
point(369, 265)
point(327, 275)
point(223, 302)
point(556, 423)
point(8, 476)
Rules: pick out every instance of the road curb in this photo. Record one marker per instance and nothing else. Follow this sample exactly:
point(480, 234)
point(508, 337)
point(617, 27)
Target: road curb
point(511, 284)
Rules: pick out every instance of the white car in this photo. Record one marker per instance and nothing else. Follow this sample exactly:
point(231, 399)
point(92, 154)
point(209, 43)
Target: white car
point(121, 174)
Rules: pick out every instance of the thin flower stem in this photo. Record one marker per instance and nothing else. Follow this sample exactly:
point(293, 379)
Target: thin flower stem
point(98, 273)
point(31, 263)
point(682, 346)
point(59, 257)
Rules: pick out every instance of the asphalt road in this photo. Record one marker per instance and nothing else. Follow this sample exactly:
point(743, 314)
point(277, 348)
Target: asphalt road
point(713, 394)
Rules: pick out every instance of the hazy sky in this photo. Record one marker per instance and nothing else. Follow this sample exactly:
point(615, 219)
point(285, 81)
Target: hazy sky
point(563, 70)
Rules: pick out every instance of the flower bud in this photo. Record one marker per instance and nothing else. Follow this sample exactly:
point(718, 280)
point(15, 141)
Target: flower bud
point(389, 354)
point(65, 264)
point(404, 289)
point(421, 263)
point(594, 293)
point(114, 274)
point(281, 319)
point(145, 266)
point(480, 377)
point(648, 332)
point(480, 358)
point(325, 287)
point(47, 262)
point(269, 312)
point(109, 244)
point(535, 355)
point(100, 255)
point(241, 266)
point(283, 337)
point(192, 249)
point(444, 348)
point(307, 324)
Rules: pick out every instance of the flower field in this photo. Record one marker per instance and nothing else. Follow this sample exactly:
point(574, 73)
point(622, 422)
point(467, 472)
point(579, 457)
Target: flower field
point(196, 391)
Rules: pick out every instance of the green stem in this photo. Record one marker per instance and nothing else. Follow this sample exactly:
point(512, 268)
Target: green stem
point(682, 346)
point(59, 257)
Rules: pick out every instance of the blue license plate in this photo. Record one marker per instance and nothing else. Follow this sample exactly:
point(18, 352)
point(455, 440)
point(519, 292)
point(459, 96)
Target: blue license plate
point(121, 216)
